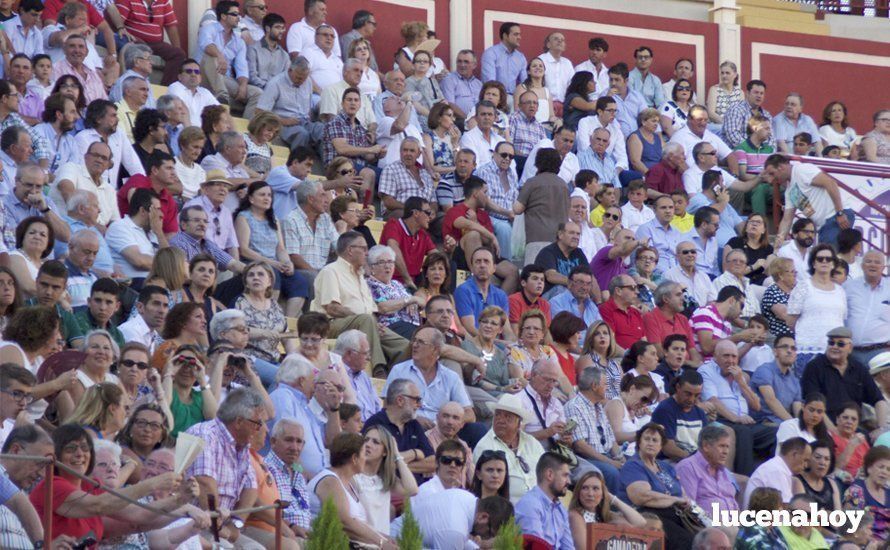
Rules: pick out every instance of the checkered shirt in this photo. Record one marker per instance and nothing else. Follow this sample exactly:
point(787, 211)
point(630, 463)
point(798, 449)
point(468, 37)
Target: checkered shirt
point(339, 127)
point(505, 199)
point(525, 133)
point(399, 183)
point(293, 489)
point(221, 461)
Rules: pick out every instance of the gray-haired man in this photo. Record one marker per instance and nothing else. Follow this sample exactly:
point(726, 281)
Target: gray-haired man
point(137, 61)
point(289, 95)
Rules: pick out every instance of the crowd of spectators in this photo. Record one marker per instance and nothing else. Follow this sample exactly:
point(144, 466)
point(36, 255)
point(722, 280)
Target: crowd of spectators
point(479, 290)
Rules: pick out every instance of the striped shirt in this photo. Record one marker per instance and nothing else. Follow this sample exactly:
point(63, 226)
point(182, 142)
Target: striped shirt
point(222, 461)
point(292, 486)
point(526, 133)
point(147, 25)
point(504, 198)
point(708, 318)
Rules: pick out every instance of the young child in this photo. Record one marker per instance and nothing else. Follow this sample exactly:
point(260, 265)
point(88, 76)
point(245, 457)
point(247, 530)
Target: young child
point(752, 355)
point(606, 196)
point(683, 221)
point(635, 213)
point(803, 144)
point(589, 182)
point(832, 152)
point(841, 271)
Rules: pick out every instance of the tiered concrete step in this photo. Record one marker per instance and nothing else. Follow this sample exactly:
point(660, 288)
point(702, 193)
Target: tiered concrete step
point(780, 15)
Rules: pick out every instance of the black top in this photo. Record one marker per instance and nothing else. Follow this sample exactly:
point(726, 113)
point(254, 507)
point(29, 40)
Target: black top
point(758, 275)
point(551, 257)
point(855, 385)
point(414, 436)
point(825, 497)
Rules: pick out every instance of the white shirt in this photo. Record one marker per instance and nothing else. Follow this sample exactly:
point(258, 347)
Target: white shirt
point(693, 175)
point(191, 178)
point(445, 519)
point(699, 285)
point(631, 218)
point(325, 70)
point(195, 101)
point(557, 73)
point(122, 152)
point(393, 143)
point(567, 171)
point(124, 234)
point(301, 35)
point(617, 140)
point(332, 98)
point(252, 27)
point(657, 379)
point(791, 428)
point(601, 77)
point(80, 177)
point(789, 250)
point(476, 141)
point(688, 140)
point(773, 473)
point(136, 330)
point(812, 201)
point(430, 487)
point(756, 356)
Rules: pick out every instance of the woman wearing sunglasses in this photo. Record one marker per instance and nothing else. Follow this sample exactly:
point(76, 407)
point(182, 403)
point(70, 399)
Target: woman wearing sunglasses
point(146, 431)
point(630, 411)
point(141, 383)
point(492, 476)
point(189, 405)
point(815, 307)
point(675, 112)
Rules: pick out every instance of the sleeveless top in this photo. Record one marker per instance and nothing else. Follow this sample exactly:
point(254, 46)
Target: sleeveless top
point(883, 152)
point(356, 509)
point(186, 415)
point(88, 382)
point(32, 269)
point(375, 500)
point(651, 151)
point(443, 155)
point(263, 238)
point(630, 423)
point(825, 497)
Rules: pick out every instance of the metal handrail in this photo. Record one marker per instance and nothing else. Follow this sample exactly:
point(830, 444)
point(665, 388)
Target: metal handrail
point(51, 462)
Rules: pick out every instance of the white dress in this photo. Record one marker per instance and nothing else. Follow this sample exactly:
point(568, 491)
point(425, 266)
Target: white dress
point(356, 510)
point(831, 137)
point(375, 500)
point(32, 269)
point(820, 311)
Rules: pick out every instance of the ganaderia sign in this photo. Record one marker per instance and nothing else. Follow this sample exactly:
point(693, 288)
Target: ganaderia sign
point(605, 536)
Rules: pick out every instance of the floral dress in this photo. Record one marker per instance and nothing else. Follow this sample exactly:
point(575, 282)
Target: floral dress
point(272, 319)
point(521, 356)
point(393, 291)
point(858, 497)
point(443, 155)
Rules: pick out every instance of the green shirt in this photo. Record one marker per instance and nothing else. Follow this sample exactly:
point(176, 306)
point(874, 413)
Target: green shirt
point(88, 323)
point(186, 416)
point(797, 542)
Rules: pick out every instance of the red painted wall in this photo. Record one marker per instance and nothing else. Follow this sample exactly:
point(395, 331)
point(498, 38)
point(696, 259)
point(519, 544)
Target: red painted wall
point(862, 87)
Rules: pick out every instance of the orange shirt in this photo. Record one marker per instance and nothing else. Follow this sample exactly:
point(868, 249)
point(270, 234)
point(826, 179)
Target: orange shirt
point(267, 490)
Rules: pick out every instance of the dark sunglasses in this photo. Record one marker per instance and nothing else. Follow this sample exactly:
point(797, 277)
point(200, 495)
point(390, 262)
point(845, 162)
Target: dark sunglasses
point(506, 156)
point(345, 171)
point(615, 217)
point(451, 461)
point(837, 343)
point(683, 88)
point(824, 259)
point(130, 363)
point(689, 251)
point(523, 464)
point(192, 71)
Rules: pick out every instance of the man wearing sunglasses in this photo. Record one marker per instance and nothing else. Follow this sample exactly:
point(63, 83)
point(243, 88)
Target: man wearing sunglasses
point(841, 378)
point(451, 458)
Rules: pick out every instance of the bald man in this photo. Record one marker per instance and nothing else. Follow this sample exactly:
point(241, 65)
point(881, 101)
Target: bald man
point(449, 421)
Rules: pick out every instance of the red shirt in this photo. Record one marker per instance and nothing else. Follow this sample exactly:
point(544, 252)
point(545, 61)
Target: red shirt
point(460, 211)
point(139, 24)
point(664, 178)
point(658, 328)
point(77, 528)
point(519, 305)
point(627, 325)
point(567, 364)
point(51, 12)
point(168, 205)
point(414, 247)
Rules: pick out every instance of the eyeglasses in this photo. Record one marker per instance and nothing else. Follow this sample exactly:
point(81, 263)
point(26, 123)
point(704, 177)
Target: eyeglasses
point(233, 14)
point(311, 339)
point(645, 400)
point(20, 396)
point(452, 461)
point(129, 363)
point(385, 262)
point(74, 447)
point(523, 464)
point(824, 259)
point(506, 156)
point(837, 343)
point(689, 251)
point(417, 399)
point(615, 217)
point(192, 71)
point(142, 424)
point(788, 347)
point(632, 287)
point(256, 423)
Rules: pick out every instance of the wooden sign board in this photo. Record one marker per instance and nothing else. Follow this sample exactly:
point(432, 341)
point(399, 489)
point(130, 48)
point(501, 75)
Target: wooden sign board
point(605, 536)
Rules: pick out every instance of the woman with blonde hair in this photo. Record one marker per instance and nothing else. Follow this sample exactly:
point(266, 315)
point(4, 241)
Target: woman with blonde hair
point(100, 353)
point(600, 350)
point(723, 94)
point(497, 378)
point(261, 130)
point(593, 503)
point(102, 411)
point(531, 344)
point(170, 265)
point(414, 33)
point(384, 472)
point(360, 49)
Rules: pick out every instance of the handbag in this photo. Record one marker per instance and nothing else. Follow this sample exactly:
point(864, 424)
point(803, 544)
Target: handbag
point(689, 518)
point(556, 446)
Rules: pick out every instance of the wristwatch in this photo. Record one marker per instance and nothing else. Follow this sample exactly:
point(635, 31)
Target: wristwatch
point(839, 213)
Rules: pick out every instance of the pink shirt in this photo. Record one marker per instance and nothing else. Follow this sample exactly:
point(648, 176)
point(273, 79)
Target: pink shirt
point(93, 86)
point(704, 487)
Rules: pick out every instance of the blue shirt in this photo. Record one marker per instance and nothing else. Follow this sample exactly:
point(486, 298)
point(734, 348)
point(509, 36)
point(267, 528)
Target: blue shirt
point(468, 300)
point(365, 394)
point(605, 167)
point(463, 92)
point(542, 517)
point(285, 198)
point(290, 403)
point(634, 470)
point(650, 87)
point(727, 391)
point(508, 68)
point(564, 301)
point(628, 109)
point(413, 436)
point(786, 387)
point(446, 386)
point(784, 130)
point(680, 426)
point(665, 241)
point(235, 50)
point(729, 218)
point(63, 149)
point(706, 259)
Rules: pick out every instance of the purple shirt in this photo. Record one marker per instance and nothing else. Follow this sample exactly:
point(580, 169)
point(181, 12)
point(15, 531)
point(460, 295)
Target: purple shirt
point(703, 487)
point(605, 269)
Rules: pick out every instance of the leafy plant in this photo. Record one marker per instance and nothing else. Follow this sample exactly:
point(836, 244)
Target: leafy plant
point(410, 538)
point(327, 530)
point(509, 536)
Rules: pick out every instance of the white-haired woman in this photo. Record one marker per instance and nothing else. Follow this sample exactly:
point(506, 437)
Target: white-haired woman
point(101, 352)
point(397, 308)
point(230, 327)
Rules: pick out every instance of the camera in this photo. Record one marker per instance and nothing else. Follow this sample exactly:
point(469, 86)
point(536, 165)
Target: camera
point(236, 362)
